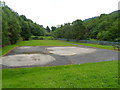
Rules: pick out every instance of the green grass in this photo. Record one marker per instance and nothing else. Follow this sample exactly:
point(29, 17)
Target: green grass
point(95, 45)
point(89, 75)
point(0, 79)
point(43, 43)
point(7, 49)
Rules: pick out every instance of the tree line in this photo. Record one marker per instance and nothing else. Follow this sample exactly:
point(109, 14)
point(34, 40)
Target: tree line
point(75, 30)
point(104, 28)
point(17, 27)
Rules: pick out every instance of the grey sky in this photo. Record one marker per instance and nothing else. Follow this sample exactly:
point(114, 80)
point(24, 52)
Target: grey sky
point(54, 12)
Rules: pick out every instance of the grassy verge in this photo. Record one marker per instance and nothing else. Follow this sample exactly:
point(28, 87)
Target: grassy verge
point(43, 43)
point(7, 49)
point(94, 45)
point(89, 75)
point(0, 79)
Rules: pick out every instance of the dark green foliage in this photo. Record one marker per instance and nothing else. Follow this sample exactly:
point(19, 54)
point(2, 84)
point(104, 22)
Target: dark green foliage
point(37, 38)
point(16, 28)
point(42, 38)
point(79, 30)
point(76, 30)
point(48, 29)
point(104, 27)
point(26, 33)
point(53, 28)
point(33, 28)
point(11, 27)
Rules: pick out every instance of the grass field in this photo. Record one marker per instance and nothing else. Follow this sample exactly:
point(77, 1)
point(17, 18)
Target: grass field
point(94, 45)
point(89, 75)
point(43, 43)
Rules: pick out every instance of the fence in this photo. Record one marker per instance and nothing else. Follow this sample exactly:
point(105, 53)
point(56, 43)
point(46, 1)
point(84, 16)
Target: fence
point(92, 41)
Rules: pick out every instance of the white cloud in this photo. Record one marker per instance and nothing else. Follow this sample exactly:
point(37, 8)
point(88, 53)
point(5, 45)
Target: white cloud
point(54, 12)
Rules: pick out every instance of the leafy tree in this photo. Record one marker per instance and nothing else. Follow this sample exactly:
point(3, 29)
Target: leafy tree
point(68, 34)
point(53, 28)
point(11, 27)
point(48, 29)
point(79, 29)
point(103, 27)
point(26, 34)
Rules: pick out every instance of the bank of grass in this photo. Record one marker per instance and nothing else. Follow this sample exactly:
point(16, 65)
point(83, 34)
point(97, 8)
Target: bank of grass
point(94, 45)
point(7, 49)
point(43, 43)
point(89, 75)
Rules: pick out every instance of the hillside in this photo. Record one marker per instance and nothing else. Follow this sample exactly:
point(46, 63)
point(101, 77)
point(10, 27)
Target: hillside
point(103, 27)
point(17, 27)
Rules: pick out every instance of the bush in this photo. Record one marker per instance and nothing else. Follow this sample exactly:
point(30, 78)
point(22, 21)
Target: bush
point(35, 38)
point(42, 38)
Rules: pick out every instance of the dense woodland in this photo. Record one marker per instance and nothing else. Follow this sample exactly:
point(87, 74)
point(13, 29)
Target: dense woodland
point(17, 27)
point(103, 28)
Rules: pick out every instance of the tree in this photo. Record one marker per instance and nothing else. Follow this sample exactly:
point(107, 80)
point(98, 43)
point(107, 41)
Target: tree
point(11, 27)
point(103, 27)
point(48, 29)
point(26, 34)
point(78, 29)
point(68, 32)
point(16, 28)
point(53, 28)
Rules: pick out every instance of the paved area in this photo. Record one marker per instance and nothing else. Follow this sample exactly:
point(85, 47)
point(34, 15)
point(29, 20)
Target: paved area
point(69, 51)
point(31, 56)
point(27, 60)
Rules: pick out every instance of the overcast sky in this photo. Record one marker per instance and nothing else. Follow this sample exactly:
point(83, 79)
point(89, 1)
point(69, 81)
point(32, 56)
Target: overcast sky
point(54, 12)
